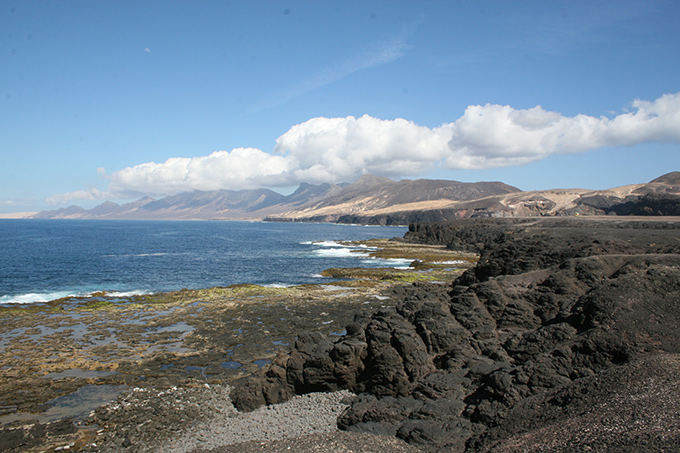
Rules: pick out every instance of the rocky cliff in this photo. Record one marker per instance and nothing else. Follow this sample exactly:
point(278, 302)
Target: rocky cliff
point(564, 336)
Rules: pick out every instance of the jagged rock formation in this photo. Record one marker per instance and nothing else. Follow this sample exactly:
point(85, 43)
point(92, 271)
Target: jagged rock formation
point(553, 309)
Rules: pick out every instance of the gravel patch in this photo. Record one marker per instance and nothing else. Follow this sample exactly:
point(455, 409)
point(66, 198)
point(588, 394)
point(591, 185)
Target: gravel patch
point(333, 442)
point(305, 414)
point(179, 420)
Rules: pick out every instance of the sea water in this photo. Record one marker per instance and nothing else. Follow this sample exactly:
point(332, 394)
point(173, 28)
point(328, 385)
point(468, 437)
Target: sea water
point(42, 260)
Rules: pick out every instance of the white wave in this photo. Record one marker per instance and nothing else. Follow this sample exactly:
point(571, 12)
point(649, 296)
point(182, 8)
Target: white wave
point(397, 263)
point(36, 298)
point(328, 244)
point(323, 243)
point(32, 298)
point(340, 253)
point(127, 293)
point(365, 247)
point(451, 262)
point(278, 285)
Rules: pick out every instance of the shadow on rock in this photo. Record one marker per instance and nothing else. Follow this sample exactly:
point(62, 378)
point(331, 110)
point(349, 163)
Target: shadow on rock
point(552, 310)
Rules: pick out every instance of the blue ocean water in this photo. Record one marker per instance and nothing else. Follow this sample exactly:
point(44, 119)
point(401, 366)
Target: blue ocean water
point(42, 260)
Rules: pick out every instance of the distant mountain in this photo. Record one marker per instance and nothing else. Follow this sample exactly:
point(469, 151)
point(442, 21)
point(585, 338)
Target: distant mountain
point(72, 212)
point(377, 200)
point(201, 205)
point(374, 196)
point(380, 201)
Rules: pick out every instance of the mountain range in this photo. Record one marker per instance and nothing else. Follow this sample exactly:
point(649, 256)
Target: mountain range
point(377, 200)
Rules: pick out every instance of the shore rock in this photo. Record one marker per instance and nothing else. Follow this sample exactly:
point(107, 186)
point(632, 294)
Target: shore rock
point(632, 407)
point(553, 307)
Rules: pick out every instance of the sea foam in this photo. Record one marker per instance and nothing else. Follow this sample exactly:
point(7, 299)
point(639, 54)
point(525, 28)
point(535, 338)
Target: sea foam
point(36, 298)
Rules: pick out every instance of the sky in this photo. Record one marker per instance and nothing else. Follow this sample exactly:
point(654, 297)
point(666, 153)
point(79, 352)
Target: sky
point(116, 100)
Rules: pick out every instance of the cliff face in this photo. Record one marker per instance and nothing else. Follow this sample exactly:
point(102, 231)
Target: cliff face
point(520, 352)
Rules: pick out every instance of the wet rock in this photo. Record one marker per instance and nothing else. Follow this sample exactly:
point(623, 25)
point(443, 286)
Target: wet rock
point(382, 354)
point(31, 434)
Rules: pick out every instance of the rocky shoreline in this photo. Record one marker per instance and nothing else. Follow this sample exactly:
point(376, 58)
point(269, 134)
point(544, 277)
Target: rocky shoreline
point(563, 336)
point(172, 354)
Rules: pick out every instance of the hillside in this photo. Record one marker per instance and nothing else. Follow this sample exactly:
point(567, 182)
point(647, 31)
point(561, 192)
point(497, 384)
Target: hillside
point(387, 206)
point(368, 193)
point(377, 200)
point(200, 205)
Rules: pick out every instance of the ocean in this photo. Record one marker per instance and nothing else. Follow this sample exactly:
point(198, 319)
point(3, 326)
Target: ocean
point(43, 260)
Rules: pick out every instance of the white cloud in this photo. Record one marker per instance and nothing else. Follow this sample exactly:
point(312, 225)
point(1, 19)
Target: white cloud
point(486, 136)
point(240, 168)
point(89, 194)
point(496, 136)
point(342, 149)
point(657, 121)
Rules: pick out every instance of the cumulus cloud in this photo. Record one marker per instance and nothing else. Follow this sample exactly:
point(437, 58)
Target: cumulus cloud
point(240, 168)
point(342, 149)
point(485, 136)
point(495, 135)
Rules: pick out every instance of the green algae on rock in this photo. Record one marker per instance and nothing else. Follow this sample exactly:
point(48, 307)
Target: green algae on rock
point(186, 338)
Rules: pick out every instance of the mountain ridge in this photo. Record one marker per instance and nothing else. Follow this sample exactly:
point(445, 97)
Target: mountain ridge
point(377, 200)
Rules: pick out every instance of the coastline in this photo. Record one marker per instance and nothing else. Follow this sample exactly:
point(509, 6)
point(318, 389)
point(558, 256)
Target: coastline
point(44, 260)
point(80, 352)
point(562, 335)
point(17, 215)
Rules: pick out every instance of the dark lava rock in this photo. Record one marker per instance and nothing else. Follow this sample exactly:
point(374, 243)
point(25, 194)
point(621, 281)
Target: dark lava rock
point(21, 436)
point(657, 204)
point(633, 407)
point(552, 309)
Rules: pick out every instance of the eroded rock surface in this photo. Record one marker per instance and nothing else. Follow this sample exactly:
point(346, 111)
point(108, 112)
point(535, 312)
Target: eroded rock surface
point(553, 309)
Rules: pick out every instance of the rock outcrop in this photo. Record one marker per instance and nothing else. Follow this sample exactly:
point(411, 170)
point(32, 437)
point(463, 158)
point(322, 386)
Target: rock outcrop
point(527, 338)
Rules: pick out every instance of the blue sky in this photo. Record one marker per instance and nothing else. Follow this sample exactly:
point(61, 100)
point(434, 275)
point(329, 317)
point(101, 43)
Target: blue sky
point(120, 99)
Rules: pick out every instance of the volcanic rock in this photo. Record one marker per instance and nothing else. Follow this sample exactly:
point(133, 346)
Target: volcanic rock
point(552, 309)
